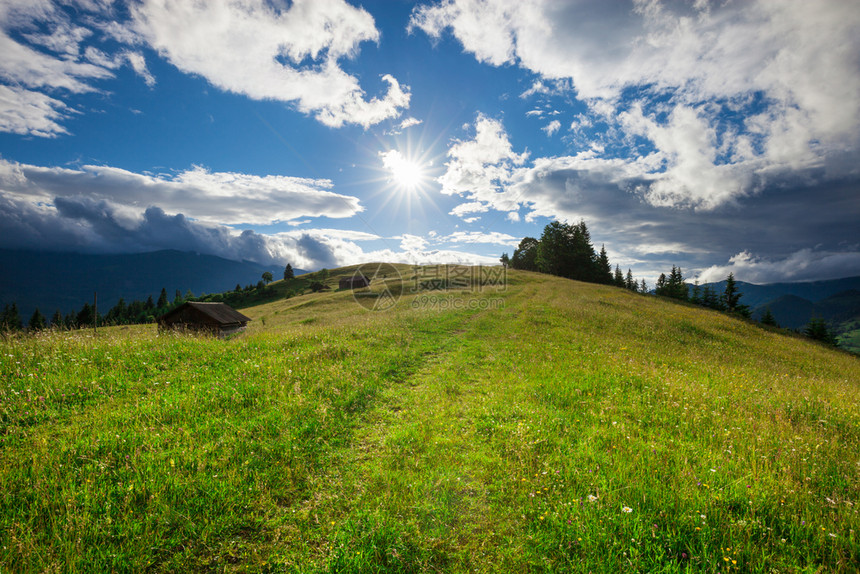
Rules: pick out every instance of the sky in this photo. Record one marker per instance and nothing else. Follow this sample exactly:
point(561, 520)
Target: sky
point(718, 136)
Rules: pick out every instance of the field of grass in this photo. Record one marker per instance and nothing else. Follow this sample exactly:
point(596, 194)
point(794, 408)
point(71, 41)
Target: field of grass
point(552, 426)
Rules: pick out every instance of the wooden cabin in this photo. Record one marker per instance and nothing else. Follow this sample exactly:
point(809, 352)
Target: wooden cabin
point(217, 318)
point(357, 281)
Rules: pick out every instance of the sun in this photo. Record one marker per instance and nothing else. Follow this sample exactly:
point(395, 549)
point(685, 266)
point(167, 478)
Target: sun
point(405, 173)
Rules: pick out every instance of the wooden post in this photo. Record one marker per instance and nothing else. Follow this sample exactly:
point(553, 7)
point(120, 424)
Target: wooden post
point(95, 312)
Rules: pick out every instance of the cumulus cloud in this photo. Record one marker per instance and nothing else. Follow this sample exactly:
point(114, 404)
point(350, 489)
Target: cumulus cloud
point(480, 169)
point(740, 91)
point(254, 48)
point(220, 197)
point(802, 265)
point(261, 51)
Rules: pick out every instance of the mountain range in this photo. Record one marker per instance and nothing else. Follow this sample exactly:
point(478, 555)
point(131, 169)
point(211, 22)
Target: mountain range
point(65, 281)
point(793, 305)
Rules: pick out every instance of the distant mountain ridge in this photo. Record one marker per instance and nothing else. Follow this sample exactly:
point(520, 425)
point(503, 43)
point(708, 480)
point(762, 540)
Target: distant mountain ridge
point(793, 305)
point(65, 281)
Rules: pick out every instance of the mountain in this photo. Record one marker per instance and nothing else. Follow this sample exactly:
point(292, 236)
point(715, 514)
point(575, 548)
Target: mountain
point(755, 295)
point(66, 281)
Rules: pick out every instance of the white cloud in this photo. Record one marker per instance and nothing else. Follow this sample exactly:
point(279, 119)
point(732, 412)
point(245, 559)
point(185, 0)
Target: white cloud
point(258, 50)
point(551, 127)
point(787, 70)
point(217, 197)
point(802, 265)
point(409, 122)
point(493, 237)
point(481, 168)
point(412, 242)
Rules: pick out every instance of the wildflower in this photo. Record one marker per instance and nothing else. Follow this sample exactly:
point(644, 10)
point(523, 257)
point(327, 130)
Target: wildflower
point(591, 498)
point(626, 509)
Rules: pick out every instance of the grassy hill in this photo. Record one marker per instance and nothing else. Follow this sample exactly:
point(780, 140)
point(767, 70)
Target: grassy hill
point(551, 426)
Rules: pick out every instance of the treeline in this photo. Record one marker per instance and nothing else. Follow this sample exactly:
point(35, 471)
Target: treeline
point(728, 301)
point(566, 250)
point(129, 313)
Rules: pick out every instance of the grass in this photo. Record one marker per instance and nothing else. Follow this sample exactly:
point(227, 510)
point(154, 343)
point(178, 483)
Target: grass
point(553, 426)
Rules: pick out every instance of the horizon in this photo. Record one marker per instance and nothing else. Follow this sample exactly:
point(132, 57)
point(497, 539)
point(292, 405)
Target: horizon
point(330, 134)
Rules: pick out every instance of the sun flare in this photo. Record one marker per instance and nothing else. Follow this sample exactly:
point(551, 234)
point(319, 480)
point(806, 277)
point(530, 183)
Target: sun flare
point(405, 173)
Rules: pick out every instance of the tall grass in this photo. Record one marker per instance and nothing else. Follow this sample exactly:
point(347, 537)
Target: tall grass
point(573, 428)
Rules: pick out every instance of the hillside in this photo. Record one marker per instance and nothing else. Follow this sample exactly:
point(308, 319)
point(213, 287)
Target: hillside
point(66, 281)
point(547, 426)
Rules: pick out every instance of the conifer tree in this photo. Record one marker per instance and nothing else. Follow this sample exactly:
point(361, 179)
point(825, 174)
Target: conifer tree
point(505, 260)
point(37, 321)
point(162, 299)
point(618, 278)
point(288, 272)
point(643, 287)
point(768, 319)
point(629, 282)
point(817, 330)
point(11, 318)
point(57, 319)
point(604, 268)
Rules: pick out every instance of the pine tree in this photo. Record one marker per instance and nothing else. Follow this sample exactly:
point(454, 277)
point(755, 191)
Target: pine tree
point(662, 283)
point(57, 319)
point(85, 316)
point(731, 294)
point(629, 282)
point(37, 321)
point(288, 272)
point(505, 260)
point(696, 296)
point(150, 304)
point(604, 268)
point(162, 299)
point(817, 331)
point(643, 287)
point(11, 319)
point(618, 278)
point(768, 318)
point(177, 298)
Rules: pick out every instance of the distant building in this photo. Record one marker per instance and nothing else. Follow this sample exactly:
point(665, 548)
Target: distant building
point(357, 281)
point(217, 318)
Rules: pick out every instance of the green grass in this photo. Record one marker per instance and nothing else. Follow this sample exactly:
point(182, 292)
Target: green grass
point(554, 426)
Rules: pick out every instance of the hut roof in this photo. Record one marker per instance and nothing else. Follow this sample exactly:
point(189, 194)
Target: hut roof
point(219, 312)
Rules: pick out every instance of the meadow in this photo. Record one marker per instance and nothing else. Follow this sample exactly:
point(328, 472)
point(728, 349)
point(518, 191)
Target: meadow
point(547, 426)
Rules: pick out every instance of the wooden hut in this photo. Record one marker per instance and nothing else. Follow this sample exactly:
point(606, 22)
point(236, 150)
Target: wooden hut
point(217, 318)
point(357, 281)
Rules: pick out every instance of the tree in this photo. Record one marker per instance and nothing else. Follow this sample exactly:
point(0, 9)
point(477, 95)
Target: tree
point(604, 269)
point(57, 319)
point(768, 318)
point(37, 321)
point(505, 260)
point(322, 274)
point(731, 294)
point(317, 286)
point(177, 298)
point(525, 255)
point(150, 304)
point(162, 299)
point(817, 331)
point(565, 250)
point(696, 296)
point(86, 317)
point(629, 282)
point(288, 272)
point(11, 318)
point(618, 278)
point(643, 287)
point(267, 277)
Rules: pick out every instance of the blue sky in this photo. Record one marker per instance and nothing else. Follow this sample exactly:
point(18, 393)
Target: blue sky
point(718, 136)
